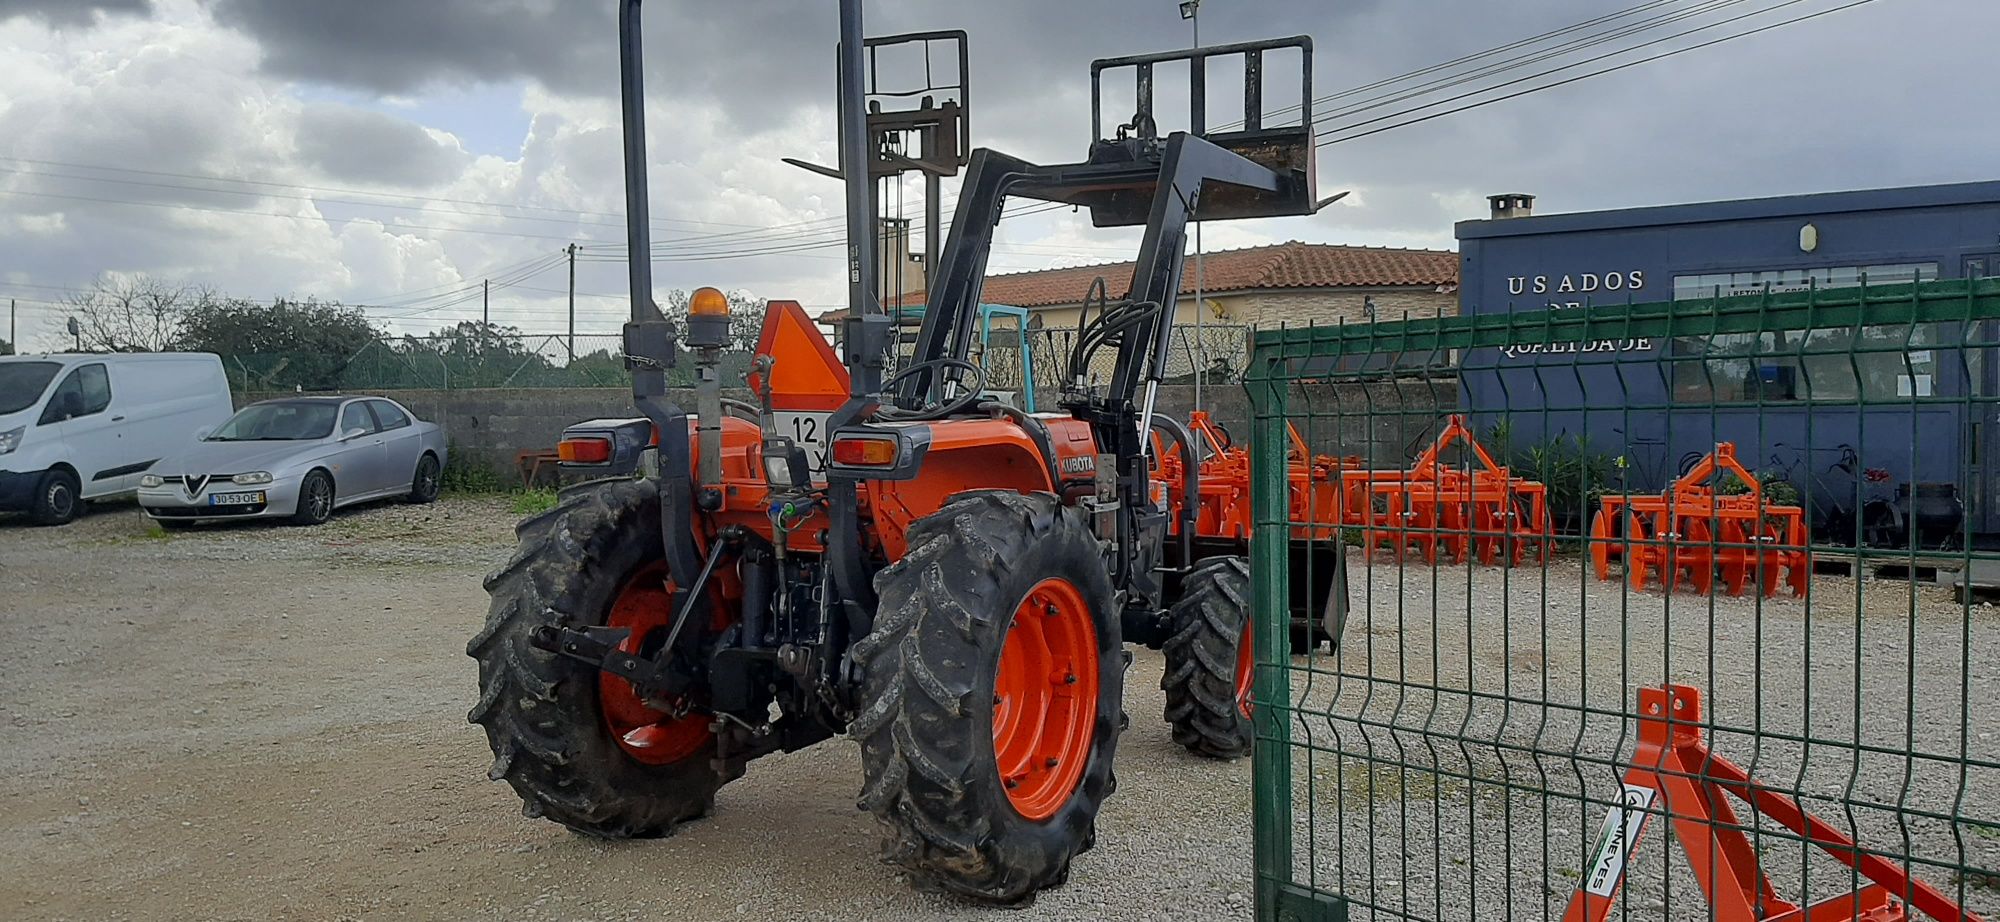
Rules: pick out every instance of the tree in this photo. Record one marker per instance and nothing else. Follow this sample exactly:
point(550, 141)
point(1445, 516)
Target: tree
point(133, 314)
point(6, 348)
point(601, 368)
point(476, 354)
point(284, 345)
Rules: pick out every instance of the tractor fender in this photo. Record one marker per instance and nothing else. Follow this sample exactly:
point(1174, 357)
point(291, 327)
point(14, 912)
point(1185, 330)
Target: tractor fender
point(964, 454)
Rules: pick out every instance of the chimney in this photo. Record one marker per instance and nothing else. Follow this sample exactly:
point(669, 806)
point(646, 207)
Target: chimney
point(1511, 205)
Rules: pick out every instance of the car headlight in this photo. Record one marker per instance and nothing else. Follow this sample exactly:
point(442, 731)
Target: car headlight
point(11, 439)
point(151, 480)
point(253, 477)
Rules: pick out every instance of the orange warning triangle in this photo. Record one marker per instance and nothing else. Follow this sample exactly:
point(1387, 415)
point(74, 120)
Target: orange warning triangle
point(805, 372)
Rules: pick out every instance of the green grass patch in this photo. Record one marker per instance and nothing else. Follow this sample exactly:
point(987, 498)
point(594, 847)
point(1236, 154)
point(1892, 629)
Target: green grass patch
point(530, 502)
point(463, 475)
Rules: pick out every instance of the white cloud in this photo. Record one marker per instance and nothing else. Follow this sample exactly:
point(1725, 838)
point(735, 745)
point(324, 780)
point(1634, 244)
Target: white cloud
point(181, 93)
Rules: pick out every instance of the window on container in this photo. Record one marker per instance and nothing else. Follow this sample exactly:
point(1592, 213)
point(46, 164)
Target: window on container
point(1726, 284)
point(1777, 366)
point(1883, 363)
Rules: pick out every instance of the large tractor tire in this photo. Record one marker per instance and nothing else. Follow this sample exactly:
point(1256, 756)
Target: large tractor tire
point(1209, 662)
point(579, 746)
point(991, 699)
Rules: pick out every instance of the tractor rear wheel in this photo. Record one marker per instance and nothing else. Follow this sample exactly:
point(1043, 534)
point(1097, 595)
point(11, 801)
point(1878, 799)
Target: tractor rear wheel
point(1209, 662)
point(578, 745)
point(991, 697)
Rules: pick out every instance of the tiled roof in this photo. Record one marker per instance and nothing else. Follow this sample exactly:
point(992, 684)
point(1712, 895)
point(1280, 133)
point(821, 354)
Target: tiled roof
point(1277, 266)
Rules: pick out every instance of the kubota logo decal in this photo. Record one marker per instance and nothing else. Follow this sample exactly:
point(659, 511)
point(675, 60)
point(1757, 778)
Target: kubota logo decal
point(1081, 464)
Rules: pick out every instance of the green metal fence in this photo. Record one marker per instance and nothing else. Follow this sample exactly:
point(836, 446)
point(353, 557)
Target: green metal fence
point(1502, 733)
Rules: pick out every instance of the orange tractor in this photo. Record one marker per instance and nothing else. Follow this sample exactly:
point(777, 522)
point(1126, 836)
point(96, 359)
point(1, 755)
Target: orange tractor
point(950, 584)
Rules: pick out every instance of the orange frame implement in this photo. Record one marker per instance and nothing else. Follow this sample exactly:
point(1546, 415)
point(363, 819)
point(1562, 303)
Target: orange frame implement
point(1447, 512)
point(1675, 774)
point(1318, 507)
point(1690, 533)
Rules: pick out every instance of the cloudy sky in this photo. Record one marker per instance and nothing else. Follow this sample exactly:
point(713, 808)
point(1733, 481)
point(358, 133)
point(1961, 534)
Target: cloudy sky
point(395, 152)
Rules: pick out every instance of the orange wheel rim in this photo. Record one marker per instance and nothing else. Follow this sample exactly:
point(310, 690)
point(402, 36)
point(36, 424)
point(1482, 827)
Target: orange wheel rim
point(1045, 699)
point(1246, 670)
point(647, 734)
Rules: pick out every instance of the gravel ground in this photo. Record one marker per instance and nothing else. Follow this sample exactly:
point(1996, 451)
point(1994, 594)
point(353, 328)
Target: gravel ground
point(269, 723)
point(1470, 730)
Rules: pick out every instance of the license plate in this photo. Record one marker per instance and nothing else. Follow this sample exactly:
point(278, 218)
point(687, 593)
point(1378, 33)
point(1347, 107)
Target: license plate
point(809, 431)
point(236, 499)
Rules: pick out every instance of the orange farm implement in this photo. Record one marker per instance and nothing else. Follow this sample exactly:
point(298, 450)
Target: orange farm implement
point(1446, 511)
point(1693, 533)
point(1674, 773)
point(1318, 503)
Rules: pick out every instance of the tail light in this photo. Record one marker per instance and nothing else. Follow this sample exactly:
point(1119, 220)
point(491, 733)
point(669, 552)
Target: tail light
point(584, 451)
point(864, 452)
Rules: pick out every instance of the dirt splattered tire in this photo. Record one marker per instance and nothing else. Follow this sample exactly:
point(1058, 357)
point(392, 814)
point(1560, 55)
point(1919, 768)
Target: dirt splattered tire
point(1209, 661)
point(550, 720)
point(1001, 611)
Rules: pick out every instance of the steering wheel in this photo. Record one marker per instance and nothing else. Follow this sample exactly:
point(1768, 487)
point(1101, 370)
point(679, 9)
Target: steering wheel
point(974, 389)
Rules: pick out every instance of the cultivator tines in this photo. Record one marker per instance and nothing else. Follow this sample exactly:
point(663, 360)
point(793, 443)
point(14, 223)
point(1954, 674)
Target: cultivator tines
point(1674, 773)
point(1318, 507)
point(1691, 534)
point(1447, 512)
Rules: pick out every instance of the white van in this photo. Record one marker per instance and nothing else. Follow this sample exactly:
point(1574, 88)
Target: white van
point(81, 427)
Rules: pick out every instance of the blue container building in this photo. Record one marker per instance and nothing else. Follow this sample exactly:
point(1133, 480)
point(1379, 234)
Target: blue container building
point(1654, 403)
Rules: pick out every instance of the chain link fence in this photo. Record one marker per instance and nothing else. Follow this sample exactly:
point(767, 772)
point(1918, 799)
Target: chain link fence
point(1685, 613)
point(459, 362)
point(497, 360)
point(1221, 351)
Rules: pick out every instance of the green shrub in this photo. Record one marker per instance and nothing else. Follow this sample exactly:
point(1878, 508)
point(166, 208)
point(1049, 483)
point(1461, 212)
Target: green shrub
point(1778, 491)
point(1575, 477)
point(461, 475)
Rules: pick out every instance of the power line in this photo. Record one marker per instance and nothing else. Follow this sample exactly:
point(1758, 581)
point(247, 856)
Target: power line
point(1527, 60)
point(1569, 80)
point(340, 191)
point(1468, 58)
point(272, 214)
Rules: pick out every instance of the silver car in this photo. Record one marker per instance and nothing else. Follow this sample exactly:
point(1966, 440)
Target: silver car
point(298, 458)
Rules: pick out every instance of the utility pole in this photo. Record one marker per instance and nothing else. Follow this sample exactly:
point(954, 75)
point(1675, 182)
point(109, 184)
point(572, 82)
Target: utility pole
point(572, 302)
point(13, 338)
point(486, 302)
point(1191, 11)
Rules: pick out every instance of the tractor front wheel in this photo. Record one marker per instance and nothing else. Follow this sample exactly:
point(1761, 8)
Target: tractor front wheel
point(991, 698)
point(1209, 662)
point(580, 746)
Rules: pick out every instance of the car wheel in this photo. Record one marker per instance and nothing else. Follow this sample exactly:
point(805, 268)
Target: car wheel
point(315, 499)
point(58, 498)
point(424, 487)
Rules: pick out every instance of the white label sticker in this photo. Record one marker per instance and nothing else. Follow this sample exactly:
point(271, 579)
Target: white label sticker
point(808, 429)
point(1617, 839)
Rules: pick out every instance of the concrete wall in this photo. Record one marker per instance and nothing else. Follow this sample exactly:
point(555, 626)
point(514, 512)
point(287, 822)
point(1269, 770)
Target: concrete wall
point(488, 426)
